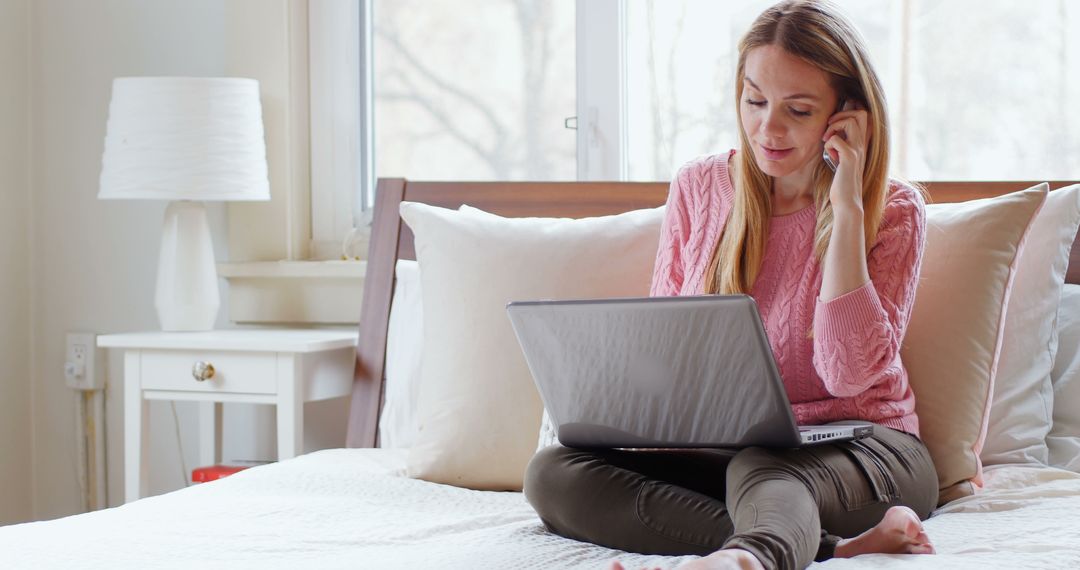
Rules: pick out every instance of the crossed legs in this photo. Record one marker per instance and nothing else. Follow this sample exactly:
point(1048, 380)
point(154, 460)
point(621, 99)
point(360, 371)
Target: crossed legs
point(770, 503)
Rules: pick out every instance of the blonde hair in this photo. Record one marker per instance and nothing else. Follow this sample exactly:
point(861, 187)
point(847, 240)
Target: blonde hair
point(817, 32)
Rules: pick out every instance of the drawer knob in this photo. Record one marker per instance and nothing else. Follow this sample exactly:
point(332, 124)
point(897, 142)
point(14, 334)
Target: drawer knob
point(202, 371)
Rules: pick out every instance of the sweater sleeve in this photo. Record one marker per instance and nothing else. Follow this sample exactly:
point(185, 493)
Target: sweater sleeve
point(668, 271)
point(857, 336)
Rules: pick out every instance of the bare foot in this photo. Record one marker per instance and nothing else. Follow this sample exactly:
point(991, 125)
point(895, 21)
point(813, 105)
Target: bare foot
point(899, 532)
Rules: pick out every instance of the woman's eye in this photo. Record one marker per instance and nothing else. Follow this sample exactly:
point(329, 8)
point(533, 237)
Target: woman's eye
point(794, 111)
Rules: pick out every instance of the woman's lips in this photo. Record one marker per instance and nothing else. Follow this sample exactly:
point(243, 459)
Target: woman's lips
point(773, 154)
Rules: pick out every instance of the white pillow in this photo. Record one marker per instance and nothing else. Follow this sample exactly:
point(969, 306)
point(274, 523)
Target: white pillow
point(1021, 413)
point(404, 340)
point(478, 410)
point(1064, 437)
point(548, 434)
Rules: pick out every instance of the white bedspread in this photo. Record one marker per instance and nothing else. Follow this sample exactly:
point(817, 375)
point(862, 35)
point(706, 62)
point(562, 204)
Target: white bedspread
point(354, 509)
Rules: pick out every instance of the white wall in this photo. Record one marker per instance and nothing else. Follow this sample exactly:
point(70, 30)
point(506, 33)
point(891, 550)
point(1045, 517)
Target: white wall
point(15, 503)
point(93, 262)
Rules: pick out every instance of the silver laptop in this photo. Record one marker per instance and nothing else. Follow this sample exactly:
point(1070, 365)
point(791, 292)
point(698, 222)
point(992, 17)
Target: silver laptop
point(661, 372)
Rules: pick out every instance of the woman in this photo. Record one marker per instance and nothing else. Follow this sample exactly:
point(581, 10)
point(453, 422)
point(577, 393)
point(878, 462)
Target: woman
point(832, 259)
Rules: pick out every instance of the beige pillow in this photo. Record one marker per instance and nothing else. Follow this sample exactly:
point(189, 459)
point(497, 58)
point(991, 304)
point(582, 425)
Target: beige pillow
point(1022, 412)
point(953, 341)
point(478, 411)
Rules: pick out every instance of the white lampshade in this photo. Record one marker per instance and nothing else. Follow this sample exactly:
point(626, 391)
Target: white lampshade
point(184, 138)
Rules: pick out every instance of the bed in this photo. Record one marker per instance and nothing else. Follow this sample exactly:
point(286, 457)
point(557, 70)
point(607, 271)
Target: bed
point(357, 507)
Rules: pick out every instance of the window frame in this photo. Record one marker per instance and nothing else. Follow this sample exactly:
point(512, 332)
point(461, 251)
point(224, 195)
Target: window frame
point(342, 122)
point(601, 90)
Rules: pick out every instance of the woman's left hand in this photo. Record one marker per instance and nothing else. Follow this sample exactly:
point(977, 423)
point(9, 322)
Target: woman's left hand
point(846, 138)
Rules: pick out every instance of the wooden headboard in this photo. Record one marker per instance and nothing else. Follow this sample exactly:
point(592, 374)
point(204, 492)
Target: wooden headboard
point(392, 240)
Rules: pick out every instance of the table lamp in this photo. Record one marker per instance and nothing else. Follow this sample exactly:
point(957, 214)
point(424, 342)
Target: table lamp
point(187, 140)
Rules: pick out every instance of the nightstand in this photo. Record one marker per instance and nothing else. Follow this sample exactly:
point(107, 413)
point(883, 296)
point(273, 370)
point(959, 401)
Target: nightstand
point(283, 367)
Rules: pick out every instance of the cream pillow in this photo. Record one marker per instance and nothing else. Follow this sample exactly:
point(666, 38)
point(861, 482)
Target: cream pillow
point(1022, 411)
point(478, 410)
point(952, 346)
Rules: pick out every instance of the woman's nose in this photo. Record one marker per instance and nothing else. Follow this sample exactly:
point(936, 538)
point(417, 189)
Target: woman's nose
point(772, 125)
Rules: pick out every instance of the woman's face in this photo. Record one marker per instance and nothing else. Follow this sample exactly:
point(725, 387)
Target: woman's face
point(786, 104)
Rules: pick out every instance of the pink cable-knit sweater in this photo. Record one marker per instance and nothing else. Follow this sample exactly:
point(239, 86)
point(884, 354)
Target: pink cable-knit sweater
point(851, 368)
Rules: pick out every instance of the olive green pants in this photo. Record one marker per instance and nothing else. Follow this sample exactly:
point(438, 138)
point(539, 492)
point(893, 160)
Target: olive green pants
point(786, 506)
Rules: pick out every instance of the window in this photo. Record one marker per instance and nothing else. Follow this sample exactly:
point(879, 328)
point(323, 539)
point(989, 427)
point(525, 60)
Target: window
point(492, 89)
point(474, 89)
point(682, 59)
point(992, 90)
point(978, 89)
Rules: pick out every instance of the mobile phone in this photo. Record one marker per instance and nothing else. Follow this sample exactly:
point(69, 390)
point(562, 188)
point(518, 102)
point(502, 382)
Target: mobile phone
point(843, 106)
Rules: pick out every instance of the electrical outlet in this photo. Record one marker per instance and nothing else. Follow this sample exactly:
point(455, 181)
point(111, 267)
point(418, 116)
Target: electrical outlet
point(84, 369)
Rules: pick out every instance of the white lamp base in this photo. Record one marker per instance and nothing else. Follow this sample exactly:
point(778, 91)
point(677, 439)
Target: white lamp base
point(187, 296)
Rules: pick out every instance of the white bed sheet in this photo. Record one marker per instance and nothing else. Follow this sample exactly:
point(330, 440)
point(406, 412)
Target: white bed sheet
point(355, 509)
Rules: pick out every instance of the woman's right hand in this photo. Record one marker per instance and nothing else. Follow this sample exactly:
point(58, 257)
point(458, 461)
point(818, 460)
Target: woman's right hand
point(846, 139)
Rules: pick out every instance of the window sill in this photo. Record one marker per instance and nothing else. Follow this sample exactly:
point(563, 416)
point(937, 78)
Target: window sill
point(324, 292)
